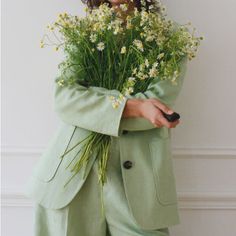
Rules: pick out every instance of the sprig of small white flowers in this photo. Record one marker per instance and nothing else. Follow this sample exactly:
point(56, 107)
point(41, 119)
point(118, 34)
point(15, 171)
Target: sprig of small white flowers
point(127, 90)
point(115, 26)
point(101, 19)
point(145, 70)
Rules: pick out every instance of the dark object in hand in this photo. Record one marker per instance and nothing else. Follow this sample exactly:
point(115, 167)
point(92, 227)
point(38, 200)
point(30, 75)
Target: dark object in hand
point(171, 117)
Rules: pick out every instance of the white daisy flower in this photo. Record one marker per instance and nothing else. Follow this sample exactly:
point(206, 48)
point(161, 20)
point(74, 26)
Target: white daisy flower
point(134, 70)
point(160, 55)
point(93, 38)
point(123, 7)
point(131, 79)
point(143, 77)
point(155, 64)
point(153, 72)
point(128, 91)
point(123, 50)
point(142, 67)
point(146, 62)
point(100, 46)
point(138, 44)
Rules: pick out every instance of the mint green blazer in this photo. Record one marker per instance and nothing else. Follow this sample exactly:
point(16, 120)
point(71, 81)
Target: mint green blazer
point(149, 185)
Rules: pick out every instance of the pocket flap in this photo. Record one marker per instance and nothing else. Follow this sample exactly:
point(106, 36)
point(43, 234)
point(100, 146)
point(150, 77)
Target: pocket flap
point(50, 160)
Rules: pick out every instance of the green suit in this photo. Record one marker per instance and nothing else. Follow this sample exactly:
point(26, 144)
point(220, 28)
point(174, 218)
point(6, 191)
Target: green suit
point(149, 183)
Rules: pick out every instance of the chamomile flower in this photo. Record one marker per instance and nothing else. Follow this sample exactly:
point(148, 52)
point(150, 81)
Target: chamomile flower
point(129, 90)
point(134, 71)
point(146, 62)
point(138, 43)
point(142, 67)
point(160, 55)
point(124, 7)
point(131, 79)
point(123, 50)
point(143, 76)
point(153, 72)
point(155, 64)
point(93, 38)
point(100, 46)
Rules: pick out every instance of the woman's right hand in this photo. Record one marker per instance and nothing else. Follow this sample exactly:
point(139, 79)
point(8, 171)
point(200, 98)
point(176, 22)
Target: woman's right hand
point(149, 109)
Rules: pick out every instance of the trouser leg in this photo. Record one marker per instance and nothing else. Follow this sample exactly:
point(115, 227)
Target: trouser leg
point(118, 215)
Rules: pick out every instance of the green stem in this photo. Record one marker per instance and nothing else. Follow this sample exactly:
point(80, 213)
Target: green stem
point(73, 158)
point(75, 145)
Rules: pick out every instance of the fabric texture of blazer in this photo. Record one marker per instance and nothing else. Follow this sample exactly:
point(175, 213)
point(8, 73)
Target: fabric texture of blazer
point(149, 185)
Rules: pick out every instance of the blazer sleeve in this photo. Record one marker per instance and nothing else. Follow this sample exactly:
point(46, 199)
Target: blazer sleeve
point(89, 108)
point(162, 90)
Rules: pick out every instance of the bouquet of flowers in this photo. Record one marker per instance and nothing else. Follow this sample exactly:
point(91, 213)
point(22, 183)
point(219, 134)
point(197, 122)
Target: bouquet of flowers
point(102, 49)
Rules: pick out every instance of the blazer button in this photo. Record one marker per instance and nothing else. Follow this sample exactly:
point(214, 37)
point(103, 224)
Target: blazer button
point(125, 131)
point(127, 164)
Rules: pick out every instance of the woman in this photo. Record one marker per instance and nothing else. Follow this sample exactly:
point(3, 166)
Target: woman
point(139, 196)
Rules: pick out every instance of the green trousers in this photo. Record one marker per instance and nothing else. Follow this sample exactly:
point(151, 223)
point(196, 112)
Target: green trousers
point(83, 215)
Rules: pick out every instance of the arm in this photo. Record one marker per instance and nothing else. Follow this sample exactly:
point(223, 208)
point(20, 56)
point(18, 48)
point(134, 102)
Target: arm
point(89, 108)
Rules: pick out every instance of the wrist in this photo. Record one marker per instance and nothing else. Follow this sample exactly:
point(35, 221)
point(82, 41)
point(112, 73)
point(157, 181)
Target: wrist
point(133, 108)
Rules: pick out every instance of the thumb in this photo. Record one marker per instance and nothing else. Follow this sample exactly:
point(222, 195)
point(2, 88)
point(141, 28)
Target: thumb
point(167, 110)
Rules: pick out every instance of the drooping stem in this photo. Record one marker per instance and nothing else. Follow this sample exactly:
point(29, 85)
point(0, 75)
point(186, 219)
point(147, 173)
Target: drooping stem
point(95, 142)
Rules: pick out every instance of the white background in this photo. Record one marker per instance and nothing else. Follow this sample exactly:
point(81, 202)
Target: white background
point(204, 144)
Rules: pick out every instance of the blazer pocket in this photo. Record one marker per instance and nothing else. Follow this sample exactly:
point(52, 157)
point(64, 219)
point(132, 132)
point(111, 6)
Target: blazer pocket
point(50, 160)
point(160, 153)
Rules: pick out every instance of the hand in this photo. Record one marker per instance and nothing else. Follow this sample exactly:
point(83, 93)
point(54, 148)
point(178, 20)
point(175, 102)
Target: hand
point(151, 110)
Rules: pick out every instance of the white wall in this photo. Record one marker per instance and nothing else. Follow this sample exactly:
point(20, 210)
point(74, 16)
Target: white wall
point(204, 144)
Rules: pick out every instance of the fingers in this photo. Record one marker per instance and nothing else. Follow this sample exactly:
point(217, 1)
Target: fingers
point(153, 109)
point(175, 123)
point(157, 123)
point(161, 106)
point(160, 120)
point(160, 124)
